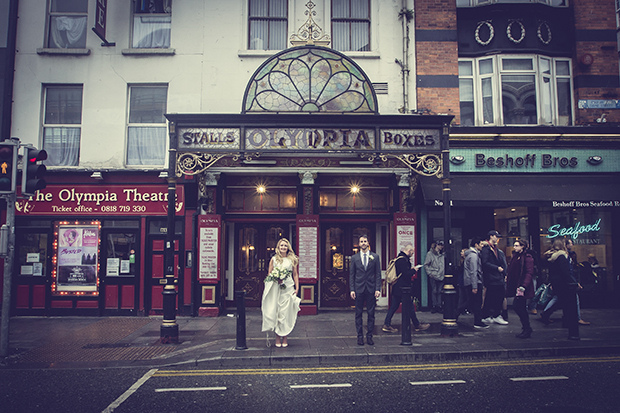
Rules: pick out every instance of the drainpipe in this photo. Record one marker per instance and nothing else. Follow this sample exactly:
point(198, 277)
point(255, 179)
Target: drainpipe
point(406, 15)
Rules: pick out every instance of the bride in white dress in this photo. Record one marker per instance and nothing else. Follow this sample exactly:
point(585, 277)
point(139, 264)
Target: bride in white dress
point(280, 303)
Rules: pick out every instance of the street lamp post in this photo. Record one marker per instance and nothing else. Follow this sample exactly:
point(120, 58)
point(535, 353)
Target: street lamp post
point(169, 331)
point(448, 325)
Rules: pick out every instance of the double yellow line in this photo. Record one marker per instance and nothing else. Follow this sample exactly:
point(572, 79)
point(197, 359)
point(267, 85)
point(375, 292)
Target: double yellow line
point(388, 368)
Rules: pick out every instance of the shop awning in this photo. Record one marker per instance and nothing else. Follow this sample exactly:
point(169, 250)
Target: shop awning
point(520, 190)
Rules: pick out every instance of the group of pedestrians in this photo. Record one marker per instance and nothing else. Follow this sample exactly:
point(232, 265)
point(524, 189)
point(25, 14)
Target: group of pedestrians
point(485, 268)
point(487, 281)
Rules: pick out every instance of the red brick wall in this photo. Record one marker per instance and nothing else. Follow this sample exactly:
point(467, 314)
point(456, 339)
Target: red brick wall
point(437, 57)
point(596, 15)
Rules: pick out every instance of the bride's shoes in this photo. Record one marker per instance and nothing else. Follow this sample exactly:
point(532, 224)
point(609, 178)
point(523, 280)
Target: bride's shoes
point(281, 341)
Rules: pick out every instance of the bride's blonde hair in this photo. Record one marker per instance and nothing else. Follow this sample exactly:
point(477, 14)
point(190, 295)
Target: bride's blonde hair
point(291, 254)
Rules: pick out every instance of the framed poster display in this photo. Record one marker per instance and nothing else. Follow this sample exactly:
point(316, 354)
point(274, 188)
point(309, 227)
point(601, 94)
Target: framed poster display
point(76, 258)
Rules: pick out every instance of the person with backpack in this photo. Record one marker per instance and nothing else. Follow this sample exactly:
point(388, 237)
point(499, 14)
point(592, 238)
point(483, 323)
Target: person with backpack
point(403, 267)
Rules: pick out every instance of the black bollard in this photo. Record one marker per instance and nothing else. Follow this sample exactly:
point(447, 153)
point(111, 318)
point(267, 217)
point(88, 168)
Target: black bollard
point(240, 298)
point(406, 318)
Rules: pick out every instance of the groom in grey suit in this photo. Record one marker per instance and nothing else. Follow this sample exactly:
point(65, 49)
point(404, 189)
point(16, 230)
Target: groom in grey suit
point(365, 285)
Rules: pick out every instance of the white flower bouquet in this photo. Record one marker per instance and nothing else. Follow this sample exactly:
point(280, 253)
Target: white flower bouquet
point(278, 275)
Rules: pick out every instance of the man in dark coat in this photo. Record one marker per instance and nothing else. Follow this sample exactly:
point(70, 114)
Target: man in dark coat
point(494, 275)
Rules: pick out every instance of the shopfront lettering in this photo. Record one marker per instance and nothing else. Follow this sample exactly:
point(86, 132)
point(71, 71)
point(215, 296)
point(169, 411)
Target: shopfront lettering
point(202, 138)
point(585, 204)
point(526, 161)
point(66, 195)
point(558, 231)
point(549, 161)
point(309, 139)
point(408, 141)
point(106, 200)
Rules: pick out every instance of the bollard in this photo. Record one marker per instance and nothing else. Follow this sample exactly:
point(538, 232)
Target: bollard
point(240, 299)
point(406, 317)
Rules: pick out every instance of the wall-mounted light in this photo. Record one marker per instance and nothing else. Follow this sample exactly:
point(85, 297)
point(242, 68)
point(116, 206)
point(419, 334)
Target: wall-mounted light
point(457, 159)
point(97, 175)
point(355, 189)
point(261, 189)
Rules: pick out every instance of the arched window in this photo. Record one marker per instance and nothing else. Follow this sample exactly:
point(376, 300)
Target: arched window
point(310, 79)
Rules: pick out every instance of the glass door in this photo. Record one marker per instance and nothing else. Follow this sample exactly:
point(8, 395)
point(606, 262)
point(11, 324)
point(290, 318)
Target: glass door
point(120, 272)
point(255, 245)
point(339, 243)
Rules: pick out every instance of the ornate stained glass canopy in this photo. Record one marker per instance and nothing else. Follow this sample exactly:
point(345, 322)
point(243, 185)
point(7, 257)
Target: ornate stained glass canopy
point(310, 79)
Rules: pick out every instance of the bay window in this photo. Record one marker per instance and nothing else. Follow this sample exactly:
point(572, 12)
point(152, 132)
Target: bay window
point(515, 90)
point(473, 3)
point(146, 132)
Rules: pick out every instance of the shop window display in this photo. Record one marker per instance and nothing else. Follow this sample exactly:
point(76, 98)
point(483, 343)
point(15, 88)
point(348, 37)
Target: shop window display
point(590, 230)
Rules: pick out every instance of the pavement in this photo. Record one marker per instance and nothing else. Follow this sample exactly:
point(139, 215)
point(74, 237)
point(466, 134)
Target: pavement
point(328, 338)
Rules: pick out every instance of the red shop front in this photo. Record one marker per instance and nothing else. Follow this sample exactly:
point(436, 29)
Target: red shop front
point(98, 250)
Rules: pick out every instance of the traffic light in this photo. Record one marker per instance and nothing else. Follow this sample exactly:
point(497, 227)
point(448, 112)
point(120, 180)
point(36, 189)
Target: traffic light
point(33, 172)
point(8, 167)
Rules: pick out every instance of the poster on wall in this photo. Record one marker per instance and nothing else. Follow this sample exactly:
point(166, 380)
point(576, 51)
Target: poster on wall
point(405, 232)
point(308, 236)
point(77, 258)
point(208, 253)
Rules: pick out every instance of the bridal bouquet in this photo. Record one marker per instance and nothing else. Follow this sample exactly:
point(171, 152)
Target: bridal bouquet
point(278, 275)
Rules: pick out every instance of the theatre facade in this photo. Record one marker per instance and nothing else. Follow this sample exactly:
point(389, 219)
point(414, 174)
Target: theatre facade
point(309, 158)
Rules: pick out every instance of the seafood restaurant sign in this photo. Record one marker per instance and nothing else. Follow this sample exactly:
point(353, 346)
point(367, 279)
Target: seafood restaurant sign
point(101, 200)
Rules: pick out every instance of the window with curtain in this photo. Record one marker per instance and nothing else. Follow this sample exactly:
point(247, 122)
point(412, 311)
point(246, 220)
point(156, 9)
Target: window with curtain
point(62, 124)
point(152, 20)
point(268, 24)
point(67, 24)
point(351, 25)
point(146, 132)
point(515, 90)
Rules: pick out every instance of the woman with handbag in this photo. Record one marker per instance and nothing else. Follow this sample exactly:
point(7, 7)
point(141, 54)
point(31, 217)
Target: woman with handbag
point(520, 283)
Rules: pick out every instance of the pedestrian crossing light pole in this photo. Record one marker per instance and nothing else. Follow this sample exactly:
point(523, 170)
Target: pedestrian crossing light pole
point(8, 178)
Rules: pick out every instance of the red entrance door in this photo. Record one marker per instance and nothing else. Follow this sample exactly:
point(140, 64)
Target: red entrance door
point(155, 275)
point(339, 242)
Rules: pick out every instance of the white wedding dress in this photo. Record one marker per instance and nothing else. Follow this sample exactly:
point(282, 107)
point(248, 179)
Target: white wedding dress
point(280, 305)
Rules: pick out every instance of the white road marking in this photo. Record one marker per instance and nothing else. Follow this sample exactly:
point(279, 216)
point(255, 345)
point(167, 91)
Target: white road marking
point(129, 391)
point(423, 383)
point(190, 389)
point(318, 386)
point(539, 378)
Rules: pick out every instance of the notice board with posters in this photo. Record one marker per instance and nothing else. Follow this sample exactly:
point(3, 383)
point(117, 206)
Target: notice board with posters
point(76, 258)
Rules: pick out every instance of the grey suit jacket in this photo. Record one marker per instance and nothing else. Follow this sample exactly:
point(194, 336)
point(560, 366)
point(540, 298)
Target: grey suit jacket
point(368, 279)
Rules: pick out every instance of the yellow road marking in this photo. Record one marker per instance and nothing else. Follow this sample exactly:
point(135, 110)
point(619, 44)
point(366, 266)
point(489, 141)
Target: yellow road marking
point(379, 369)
